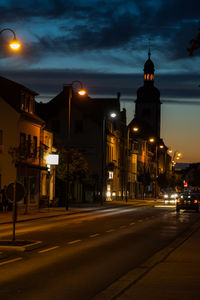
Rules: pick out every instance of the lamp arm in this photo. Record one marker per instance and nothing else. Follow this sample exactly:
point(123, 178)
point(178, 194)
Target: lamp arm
point(9, 29)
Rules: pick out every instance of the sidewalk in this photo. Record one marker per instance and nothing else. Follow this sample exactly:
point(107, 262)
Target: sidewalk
point(171, 274)
point(59, 211)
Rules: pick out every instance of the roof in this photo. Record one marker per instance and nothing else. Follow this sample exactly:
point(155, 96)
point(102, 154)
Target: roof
point(145, 131)
point(7, 83)
point(95, 108)
point(11, 91)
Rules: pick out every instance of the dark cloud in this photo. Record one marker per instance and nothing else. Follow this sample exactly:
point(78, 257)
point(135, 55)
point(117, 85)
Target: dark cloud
point(99, 25)
point(50, 82)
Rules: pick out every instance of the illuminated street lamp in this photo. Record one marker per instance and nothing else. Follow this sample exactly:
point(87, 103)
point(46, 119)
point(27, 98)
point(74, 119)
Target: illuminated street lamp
point(111, 115)
point(135, 129)
point(14, 44)
point(152, 140)
point(75, 86)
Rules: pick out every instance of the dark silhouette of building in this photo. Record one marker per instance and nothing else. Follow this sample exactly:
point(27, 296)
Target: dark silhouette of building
point(148, 100)
point(93, 133)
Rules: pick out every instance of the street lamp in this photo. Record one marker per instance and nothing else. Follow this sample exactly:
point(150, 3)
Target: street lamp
point(111, 115)
point(177, 155)
point(77, 86)
point(152, 140)
point(14, 44)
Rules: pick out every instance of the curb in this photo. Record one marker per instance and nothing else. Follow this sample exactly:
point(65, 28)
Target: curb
point(31, 246)
point(116, 289)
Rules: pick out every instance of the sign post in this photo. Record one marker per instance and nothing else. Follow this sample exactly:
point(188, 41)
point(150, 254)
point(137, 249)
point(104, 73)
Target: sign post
point(15, 192)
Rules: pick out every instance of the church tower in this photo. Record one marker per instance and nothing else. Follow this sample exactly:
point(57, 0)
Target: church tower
point(148, 105)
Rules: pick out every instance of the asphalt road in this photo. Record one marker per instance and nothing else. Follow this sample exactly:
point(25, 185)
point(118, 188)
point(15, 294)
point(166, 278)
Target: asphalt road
point(83, 254)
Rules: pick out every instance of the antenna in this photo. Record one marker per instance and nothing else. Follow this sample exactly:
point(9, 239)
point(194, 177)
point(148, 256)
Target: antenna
point(149, 53)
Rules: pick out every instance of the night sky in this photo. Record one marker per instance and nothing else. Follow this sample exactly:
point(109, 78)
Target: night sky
point(105, 45)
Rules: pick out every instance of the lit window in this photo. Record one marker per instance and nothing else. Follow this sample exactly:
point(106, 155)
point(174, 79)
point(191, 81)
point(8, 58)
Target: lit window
point(110, 175)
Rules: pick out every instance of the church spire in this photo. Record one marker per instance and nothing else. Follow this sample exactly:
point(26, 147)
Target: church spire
point(149, 69)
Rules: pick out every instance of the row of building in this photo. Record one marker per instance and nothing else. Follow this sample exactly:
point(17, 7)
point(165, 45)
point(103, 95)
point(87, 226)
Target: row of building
point(123, 160)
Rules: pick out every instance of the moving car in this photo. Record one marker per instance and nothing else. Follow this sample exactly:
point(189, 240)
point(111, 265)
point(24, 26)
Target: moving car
point(188, 201)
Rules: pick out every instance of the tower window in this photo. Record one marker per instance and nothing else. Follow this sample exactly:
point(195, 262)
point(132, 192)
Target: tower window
point(145, 76)
point(151, 77)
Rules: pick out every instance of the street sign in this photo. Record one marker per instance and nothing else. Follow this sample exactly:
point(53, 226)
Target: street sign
point(19, 193)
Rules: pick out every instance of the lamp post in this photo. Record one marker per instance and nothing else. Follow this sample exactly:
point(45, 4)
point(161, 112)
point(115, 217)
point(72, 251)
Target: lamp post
point(14, 44)
point(176, 156)
point(112, 115)
point(153, 140)
point(81, 92)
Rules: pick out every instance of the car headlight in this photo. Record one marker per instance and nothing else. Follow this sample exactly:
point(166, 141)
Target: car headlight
point(165, 196)
point(174, 196)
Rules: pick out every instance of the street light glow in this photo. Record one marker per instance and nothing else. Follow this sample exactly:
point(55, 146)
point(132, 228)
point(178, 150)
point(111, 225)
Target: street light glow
point(82, 92)
point(113, 115)
point(15, 45)
point(135, 129)
point(151, 140)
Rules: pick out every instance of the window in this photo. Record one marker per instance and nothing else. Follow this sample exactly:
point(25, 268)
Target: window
point(110, 175)
point(35, 146)
point(29, 145)
point(22, 143)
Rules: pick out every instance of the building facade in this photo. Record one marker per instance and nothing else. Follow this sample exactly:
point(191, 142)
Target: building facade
point(21, 133)
point(93, 133)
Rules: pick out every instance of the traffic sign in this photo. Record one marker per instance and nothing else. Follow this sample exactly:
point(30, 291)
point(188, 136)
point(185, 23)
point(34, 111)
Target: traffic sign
point(19, 192)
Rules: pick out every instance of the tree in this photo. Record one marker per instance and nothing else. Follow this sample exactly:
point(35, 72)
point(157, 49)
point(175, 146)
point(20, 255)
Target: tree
point(170, 181)
point(145, 179)
point(78, 170)
point(192, 175)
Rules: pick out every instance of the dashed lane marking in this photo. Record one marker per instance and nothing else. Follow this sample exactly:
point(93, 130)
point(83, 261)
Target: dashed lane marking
point(132, 223)
point(74, 242)
point(94, 235)
point(110, 230)
point(10, 261)
point(48, 249)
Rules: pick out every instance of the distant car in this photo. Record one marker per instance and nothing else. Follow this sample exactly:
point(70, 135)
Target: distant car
point(170, 196)
point(188, 201)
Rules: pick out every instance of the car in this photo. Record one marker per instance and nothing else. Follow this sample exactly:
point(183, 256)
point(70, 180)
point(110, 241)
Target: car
point(169, 197)
point(188, 201)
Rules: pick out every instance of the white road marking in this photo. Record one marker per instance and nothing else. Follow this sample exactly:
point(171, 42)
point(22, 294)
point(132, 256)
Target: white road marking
point(94, 235)
point(132, 223)
point(110, 230)
point(74, 242)
point(48, 249)
point(10, 261)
